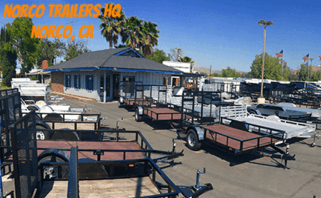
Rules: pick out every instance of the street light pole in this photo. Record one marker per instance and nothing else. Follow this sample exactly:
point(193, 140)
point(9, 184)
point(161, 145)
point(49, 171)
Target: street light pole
point(265, 23)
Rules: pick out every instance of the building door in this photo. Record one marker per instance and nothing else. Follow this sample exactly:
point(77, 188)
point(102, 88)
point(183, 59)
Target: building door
point(116, 86)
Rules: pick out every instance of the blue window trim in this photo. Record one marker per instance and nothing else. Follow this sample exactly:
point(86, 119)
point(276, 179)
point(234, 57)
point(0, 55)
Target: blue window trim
point(68, 81)
point(75, 81)
point(87, 83)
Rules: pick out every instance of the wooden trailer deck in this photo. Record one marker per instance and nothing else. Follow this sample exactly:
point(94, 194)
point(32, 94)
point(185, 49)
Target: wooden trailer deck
point(137, 101)
point(120, 188)
point(95, 145)
point(162, 114)
point(236, 133)
point(71, 125)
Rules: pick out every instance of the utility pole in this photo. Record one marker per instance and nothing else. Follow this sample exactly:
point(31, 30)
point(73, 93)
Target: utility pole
point(210, 70)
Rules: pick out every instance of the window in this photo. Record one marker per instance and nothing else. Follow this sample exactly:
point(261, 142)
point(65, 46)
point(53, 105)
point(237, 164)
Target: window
point(89, 82)
point(68, 80)
point(77, 81)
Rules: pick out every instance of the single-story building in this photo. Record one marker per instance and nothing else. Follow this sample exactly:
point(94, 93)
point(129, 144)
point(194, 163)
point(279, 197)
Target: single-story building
point(99, 74)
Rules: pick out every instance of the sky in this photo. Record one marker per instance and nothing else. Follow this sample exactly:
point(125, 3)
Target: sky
point(218, 33)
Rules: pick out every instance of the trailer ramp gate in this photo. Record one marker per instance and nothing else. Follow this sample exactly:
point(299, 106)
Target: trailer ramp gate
point(24, 146)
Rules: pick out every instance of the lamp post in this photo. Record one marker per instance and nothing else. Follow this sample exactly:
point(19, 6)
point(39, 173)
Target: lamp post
point(265, 23)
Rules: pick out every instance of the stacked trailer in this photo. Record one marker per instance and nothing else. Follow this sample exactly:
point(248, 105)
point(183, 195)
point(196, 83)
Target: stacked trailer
point(233, 139)
point(127, 93)
point(125, 169)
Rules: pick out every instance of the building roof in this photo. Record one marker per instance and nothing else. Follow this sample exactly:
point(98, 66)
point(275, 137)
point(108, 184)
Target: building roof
point(120, 59)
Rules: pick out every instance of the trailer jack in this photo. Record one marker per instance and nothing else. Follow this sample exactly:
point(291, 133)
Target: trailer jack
point(197, 190)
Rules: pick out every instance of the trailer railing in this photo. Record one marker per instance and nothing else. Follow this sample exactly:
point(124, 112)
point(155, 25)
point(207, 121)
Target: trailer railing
point(282, 134)
point(150, 169)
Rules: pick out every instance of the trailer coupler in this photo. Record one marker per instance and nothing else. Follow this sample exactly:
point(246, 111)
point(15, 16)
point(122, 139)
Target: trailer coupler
point(283, 155)
point(168, 159)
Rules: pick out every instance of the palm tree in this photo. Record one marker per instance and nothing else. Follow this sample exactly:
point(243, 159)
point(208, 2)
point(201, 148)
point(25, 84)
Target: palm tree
point(187, 59)
point(111, 27)
point(150, 36)
point(132, 34)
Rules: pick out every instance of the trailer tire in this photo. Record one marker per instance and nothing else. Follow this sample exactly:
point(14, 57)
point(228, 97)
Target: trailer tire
point(192, 140)
point(40, 134)
point(138, 117)
point(52, 171)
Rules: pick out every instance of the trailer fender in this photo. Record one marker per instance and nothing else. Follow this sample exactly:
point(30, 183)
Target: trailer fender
point(199, 131)
point(140, 110)
point(43, 124)
point(54, 152)
point(253, 111)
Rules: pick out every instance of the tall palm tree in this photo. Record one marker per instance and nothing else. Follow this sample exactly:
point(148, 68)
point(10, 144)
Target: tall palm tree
point(150, 36)
point(111, 27)
point(132, 34)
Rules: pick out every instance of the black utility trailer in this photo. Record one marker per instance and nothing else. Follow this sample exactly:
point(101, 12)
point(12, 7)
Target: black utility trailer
point(234, 138)
point(127, 93)
point(62, 121)
point(126, 169)
point(154, 103)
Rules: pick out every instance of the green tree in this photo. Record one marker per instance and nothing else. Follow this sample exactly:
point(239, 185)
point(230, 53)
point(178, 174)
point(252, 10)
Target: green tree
point(230, 73)
point(305, 73)
point(149, 37)
point(74, 48)
point(272, 68)
point(23, 44)
point(132, 33)
point(111, 27)
point(8, 57)
point(158, 56)
point(216, 75)
point(49, 50)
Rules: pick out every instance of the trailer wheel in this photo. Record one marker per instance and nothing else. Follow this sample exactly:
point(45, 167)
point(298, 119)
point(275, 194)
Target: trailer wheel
point(41, 134)
point(192, 140)
point(51, 172)
point(138, 117)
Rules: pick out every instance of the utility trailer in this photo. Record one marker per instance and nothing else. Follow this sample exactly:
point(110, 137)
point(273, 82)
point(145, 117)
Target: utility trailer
point(154, 100)
point(127, 93)
point(257, 123)
point(125, 169)
point(234, 138)
point(280, 111)
point(62, 121)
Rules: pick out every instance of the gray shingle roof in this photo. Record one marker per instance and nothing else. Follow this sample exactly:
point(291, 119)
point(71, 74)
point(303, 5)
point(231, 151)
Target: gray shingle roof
point(108, 59)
